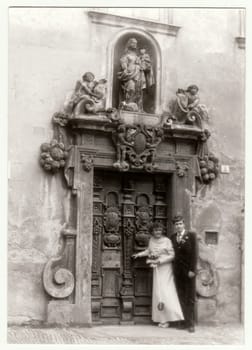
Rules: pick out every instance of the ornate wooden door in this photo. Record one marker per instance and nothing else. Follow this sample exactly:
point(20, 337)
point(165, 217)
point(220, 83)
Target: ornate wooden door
point(124, 206)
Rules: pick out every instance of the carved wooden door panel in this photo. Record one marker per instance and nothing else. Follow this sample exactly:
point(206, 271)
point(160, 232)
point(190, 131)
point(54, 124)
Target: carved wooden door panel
point(124, 207)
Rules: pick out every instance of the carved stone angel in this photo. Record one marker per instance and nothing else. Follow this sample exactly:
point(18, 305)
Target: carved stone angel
point(89, 95)
point(187, 107)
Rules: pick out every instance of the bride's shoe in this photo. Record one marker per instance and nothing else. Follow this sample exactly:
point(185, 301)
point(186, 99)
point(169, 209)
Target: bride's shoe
point(163, 325)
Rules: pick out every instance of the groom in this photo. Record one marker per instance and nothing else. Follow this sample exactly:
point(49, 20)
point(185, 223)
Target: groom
point(186, 251)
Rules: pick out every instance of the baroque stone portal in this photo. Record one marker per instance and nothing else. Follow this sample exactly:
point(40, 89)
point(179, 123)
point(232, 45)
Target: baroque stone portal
point(125, 168)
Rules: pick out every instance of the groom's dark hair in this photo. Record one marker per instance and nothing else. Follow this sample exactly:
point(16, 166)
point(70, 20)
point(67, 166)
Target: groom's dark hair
point(177, 218)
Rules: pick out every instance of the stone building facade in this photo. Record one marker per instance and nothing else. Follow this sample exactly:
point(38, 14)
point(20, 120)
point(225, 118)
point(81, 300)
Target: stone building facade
point(65, 252)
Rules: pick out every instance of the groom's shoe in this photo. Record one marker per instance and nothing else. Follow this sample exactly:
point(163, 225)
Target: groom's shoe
point(191, 329)
point(181, 325)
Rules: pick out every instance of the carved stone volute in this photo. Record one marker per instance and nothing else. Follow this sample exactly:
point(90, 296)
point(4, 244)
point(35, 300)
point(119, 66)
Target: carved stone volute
point(58, 279)
point(207, 280)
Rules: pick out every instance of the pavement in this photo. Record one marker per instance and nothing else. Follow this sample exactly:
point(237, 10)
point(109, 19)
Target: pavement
point(231, 334)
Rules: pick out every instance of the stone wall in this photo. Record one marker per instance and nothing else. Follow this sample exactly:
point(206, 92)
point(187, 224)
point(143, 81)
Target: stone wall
point(49, 49)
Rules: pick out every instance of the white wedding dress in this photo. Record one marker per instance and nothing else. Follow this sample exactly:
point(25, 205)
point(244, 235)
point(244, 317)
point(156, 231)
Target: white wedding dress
point(164, 289)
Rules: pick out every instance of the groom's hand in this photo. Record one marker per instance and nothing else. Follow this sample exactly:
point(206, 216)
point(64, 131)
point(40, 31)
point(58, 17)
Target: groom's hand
point(191, 274)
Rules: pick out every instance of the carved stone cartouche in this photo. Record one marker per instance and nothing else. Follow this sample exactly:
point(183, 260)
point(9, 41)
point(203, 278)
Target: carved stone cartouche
point(111, 225)
point(136, 146)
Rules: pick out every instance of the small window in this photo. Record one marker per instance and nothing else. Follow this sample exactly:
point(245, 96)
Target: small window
point(211, 237)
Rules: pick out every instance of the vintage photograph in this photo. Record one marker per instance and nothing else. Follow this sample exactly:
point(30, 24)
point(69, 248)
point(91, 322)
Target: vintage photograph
point(126, 153)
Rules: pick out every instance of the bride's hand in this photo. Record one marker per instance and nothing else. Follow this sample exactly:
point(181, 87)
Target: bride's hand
point(153, 265)
point(134, 256)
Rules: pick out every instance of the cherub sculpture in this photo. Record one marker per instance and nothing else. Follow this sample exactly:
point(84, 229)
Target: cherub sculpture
point(89, 95)
point(187, 108)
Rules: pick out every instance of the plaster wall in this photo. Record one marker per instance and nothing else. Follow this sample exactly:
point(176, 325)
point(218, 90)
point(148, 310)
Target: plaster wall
point(49, 49)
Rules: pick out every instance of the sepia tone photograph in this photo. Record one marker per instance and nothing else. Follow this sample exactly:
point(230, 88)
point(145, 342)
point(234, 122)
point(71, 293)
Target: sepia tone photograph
point(126, 172)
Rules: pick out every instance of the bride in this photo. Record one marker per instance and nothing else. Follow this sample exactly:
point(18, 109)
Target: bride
point(165, 302)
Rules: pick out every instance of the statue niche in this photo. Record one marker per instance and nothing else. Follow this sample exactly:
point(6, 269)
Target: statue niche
point(134, 74)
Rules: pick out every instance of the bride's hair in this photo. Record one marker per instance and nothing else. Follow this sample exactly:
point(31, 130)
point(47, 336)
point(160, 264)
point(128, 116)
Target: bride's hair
point(156, 225)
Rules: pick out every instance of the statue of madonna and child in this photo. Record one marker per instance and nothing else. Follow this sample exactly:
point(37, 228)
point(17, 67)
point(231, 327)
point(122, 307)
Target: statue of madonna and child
point(136, 76)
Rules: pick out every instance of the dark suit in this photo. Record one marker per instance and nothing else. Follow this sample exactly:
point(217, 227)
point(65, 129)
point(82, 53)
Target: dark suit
point(186, 253)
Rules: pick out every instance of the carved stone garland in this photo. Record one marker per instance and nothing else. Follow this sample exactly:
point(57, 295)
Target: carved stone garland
point(53, 154)
point(208, 163)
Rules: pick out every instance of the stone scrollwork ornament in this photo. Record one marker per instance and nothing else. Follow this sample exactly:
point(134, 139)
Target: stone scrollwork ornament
point(60, 118)
point(182, 168)
point(87, 162)
point(58, 280)
point(58, 283)
point(129, 227)
point(113, 115)
point(207, 281)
